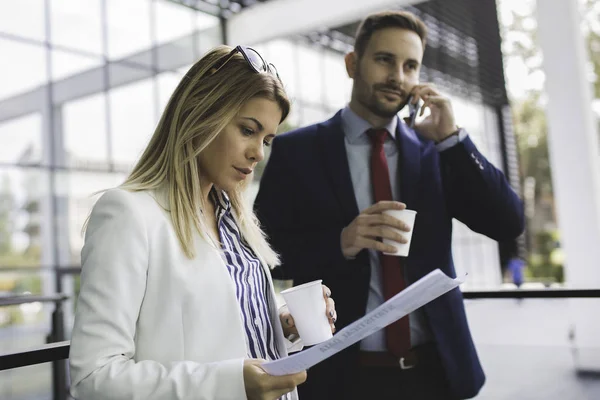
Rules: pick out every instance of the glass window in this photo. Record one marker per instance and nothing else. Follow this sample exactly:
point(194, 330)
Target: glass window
point(175, 54)
point(128, 35)
point(24, 217)
point(79, 191)
point(23, 18)
point(120, 74)
point(312, 115)
point(65, 64)
point(26, 69)
point(492, 134)
point(21, 140)
point(173, 21)
point(208, 33)
point(310, 63)
point(282, 55)
point(337, 83)
point(206, 39)
point(22, 331)
point(133, 119)
point(469, 115)
point(205, 21)
point(77, 25)
point(293, 119)
point(85, 133)
point(21, 280)
point(167, 82)
point(475, 119)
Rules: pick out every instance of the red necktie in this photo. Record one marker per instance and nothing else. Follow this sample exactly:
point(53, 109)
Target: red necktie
point(398, 333)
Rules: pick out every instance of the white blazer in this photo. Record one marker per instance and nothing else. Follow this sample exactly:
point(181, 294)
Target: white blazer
point(150, 323)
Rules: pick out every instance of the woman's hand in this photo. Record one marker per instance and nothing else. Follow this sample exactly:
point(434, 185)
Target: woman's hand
point(262, 386)
point(287, 321)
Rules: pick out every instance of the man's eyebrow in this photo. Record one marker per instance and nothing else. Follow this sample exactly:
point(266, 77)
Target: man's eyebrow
point(384, 53)
point(392, 55)
point(257, 122)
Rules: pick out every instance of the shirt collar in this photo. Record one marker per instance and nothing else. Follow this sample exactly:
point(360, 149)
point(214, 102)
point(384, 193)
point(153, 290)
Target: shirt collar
point(221, 200)
point(354, 126)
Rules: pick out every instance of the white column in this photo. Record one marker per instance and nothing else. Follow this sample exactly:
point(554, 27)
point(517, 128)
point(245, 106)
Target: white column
point(575, 162)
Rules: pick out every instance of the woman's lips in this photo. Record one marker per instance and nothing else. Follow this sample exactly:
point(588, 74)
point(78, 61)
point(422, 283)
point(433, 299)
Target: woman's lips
point(244, 171)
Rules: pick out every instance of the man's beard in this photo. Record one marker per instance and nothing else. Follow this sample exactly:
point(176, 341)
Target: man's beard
point(368, 98)
point(379, 108)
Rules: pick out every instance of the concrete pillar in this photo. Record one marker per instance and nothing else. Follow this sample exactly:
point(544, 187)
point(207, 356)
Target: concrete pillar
point(575, 162)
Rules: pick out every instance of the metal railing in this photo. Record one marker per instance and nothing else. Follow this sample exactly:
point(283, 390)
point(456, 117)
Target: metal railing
point(58, 352)
point(48, 353)
point(27, 298)
point(532, 294)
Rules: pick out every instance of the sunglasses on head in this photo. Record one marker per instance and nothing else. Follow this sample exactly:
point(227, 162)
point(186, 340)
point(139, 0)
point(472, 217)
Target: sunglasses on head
point(252, 57)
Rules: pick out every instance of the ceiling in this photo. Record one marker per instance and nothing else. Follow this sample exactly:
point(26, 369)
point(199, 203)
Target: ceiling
point(463, 53)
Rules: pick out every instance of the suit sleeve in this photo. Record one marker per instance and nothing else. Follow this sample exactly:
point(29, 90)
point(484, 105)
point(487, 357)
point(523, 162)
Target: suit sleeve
point(294, 235)
point(478, 194)
point(113, 285)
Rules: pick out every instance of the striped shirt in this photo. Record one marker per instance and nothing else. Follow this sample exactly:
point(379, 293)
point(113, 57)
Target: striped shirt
point(251, 284)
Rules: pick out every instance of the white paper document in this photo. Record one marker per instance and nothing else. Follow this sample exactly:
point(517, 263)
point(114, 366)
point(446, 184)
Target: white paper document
point(426, 289)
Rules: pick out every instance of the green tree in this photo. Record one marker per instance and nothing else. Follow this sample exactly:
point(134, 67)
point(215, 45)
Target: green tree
point(590, 10)
point(520, 45)
point(531, 131)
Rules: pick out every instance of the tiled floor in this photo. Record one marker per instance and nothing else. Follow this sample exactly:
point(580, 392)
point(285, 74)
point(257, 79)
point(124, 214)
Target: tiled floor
point(533, 373)
point(525, 349)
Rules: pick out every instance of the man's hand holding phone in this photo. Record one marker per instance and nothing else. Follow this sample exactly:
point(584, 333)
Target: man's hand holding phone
point(440, 123)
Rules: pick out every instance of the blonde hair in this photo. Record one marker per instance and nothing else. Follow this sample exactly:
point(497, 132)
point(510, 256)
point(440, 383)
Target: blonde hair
point(201, 106)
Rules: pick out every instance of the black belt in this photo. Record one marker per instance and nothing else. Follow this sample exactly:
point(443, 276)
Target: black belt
point(413, 357)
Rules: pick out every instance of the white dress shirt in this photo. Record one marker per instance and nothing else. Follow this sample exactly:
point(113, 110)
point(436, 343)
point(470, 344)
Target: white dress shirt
point(358, 150)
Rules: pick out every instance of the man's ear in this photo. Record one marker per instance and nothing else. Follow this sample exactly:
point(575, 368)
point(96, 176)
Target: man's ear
point(351, 60)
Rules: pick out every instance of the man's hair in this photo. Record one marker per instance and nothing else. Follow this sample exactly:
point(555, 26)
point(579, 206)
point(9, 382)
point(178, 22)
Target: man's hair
point(387, 19)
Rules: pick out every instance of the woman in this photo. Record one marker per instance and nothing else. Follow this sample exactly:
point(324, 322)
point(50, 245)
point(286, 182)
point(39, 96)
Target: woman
point(176, 298)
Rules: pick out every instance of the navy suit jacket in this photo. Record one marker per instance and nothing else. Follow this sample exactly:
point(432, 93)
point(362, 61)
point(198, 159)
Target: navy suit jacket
point(306, 198)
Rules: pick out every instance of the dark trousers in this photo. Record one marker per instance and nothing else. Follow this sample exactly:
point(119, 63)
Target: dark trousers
point(426, 381)
point(343, 377)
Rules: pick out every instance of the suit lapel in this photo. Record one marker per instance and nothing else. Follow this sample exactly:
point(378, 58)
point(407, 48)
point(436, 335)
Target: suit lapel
point(409, 164)
point(335, 160)
point(330, 137)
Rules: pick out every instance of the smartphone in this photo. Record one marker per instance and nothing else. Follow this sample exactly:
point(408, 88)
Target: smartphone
point(413, 111)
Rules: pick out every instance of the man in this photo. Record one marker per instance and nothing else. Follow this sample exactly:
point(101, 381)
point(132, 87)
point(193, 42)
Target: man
point(321, 201)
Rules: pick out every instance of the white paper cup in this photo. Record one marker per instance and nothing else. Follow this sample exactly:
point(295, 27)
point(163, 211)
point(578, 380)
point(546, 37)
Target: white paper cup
point(307, 306)
point(408, 217)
